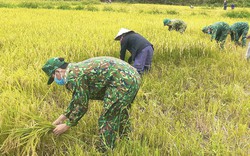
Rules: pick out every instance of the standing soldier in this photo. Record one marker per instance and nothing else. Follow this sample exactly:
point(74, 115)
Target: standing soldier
point(237, 30)
point(102, 78)
point(175, 24)
point(218, 31)
point(140, 48)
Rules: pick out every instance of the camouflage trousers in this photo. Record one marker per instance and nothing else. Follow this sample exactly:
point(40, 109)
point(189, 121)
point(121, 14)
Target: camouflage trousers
point(244, 36)
point(182, 28)
point(221, 38)
point(114, 120)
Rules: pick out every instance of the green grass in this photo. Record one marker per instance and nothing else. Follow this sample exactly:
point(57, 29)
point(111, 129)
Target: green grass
point(238, 14)
point(195, 101)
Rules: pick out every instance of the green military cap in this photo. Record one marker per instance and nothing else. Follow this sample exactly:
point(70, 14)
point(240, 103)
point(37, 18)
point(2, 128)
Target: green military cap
point(50, 66)
point(166, 21)
point(205, 29)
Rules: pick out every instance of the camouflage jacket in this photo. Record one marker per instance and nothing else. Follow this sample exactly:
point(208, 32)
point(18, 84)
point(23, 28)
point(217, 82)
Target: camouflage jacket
point(91, 78)
point(219, 29)
point(177, 25)
point(238, 28)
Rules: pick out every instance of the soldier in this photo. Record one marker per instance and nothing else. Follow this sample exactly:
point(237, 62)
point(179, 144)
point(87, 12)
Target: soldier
point(237, 30)
point(175, 24)
point(140, 48)
point(218, 31)
point(101, 78)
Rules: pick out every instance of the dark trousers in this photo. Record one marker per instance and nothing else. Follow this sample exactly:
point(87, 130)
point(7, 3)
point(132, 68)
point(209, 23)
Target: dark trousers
point(143, 60)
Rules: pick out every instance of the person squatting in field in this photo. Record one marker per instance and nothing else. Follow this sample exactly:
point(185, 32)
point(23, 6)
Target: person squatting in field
point(218, 31)
point(237, 30)
point(140, 48)
point(175, 24)
point(109, 79)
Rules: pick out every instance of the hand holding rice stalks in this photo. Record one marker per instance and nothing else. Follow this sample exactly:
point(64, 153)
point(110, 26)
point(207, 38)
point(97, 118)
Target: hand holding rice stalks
point(24, 140)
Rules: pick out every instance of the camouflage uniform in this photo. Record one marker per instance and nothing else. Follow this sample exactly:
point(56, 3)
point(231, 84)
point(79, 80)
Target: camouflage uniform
point(175, 24)
point(219, 32)
point(103, 78)
point(238, 29)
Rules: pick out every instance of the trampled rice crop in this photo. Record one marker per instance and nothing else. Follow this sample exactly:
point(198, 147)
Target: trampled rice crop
point(195, 101)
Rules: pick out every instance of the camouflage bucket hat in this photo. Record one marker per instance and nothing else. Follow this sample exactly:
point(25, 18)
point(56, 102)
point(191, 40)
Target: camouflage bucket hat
point(50, 66)
point(166, 21)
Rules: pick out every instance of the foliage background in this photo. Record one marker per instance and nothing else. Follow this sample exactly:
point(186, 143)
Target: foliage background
point(241, 3)
point(209, 3)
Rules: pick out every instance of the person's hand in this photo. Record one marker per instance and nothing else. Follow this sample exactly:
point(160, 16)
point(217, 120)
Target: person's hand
point(59, 120)
point(60, 129)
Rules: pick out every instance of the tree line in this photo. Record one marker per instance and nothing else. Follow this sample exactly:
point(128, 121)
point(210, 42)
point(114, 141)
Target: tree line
point(239, 3)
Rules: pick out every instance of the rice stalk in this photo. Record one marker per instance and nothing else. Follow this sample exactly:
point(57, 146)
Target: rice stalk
point(26, 138)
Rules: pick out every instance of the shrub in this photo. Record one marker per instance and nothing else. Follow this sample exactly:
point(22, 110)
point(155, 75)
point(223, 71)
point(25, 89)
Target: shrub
point(141, 11)
point(172, 12)
point(79, 7)
point(238, 14)
point(91, 8)
point(47, 6)
point(155, 11)
point(204, 13)
point(5, 5)
point(90, 2)
point(64, 7)
point(108, 9)
point(28, 5)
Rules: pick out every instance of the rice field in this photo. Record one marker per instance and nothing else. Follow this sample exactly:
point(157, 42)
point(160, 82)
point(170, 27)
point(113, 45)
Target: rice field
point(195, 101)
